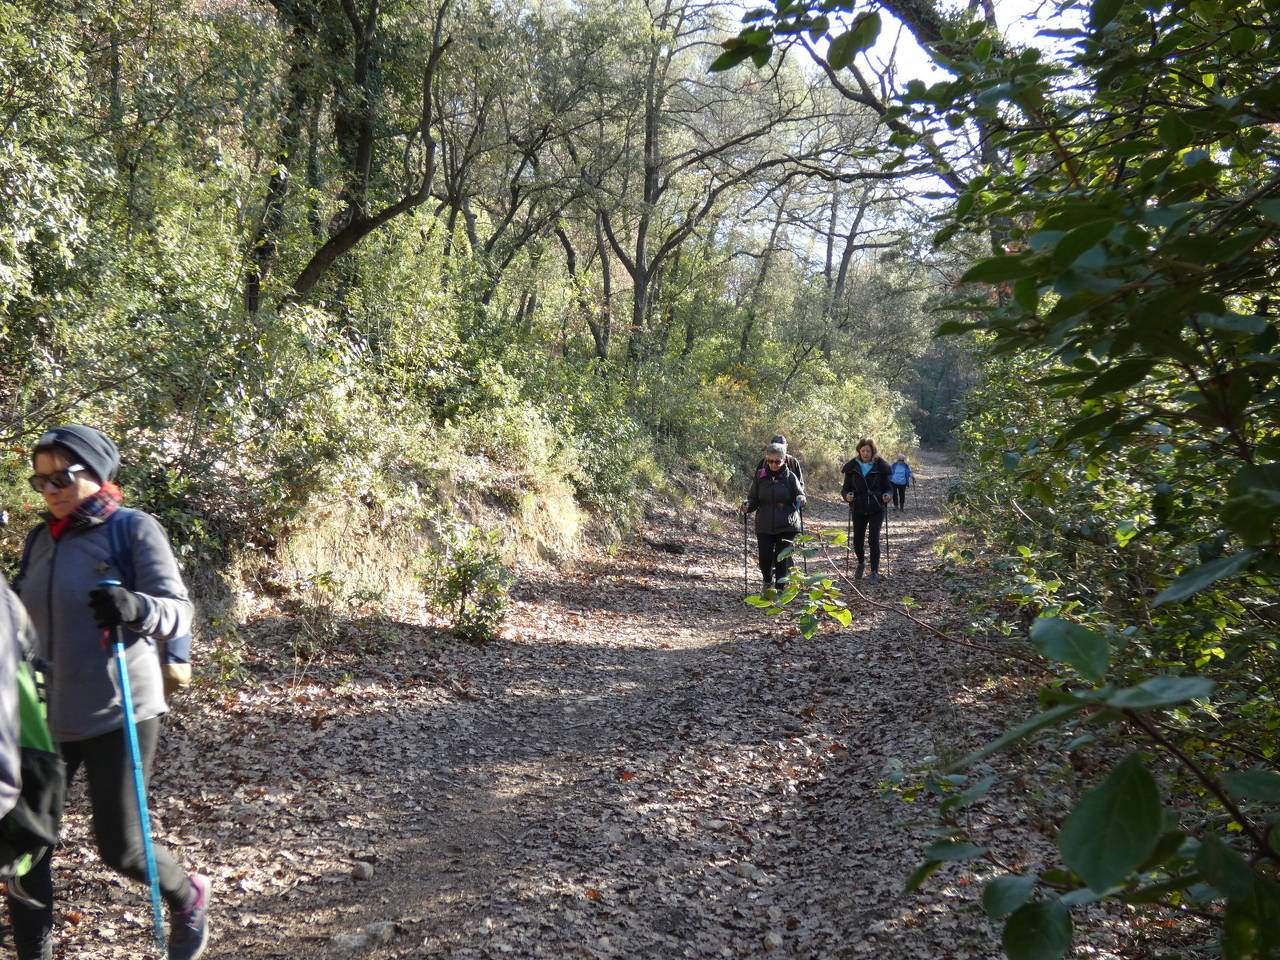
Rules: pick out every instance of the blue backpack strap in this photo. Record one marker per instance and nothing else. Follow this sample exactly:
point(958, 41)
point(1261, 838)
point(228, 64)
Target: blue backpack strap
point(27, 546)
point(120, 541)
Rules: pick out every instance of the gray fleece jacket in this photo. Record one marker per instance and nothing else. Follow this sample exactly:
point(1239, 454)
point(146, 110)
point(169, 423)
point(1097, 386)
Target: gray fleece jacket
point(15, 634)
point(84, 691)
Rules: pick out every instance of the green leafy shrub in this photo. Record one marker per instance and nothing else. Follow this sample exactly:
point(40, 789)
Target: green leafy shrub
point(467, 581)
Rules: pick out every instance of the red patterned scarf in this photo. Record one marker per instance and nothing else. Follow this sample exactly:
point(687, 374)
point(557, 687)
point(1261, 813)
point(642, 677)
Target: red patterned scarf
point(92, 511)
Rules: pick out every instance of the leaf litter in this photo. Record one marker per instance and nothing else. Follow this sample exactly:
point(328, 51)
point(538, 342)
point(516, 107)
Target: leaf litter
point(641, 766)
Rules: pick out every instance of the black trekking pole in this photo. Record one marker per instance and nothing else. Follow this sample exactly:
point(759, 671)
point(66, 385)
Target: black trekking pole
point(886, 536)
point(804, 559)
point(745, 587)
point(848, 539)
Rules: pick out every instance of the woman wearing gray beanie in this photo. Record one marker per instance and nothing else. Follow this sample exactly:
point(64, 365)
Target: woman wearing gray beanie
point(87, 537)
point(776, 498)
point(792, 463)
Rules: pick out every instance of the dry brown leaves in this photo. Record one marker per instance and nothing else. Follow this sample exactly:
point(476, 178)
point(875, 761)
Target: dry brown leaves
point(641, 767)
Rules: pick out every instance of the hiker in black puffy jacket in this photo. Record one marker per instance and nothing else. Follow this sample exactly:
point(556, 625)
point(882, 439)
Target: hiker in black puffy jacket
point(66, 560)
point(775, 497)
point(866, 490)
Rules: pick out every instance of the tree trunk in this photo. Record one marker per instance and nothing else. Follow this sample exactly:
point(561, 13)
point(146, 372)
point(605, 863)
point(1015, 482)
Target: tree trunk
point(753, 306)
point(355, 229)
point(606, 281)
point(599, 331)
point(835, 291)
point(313, 170)
point(639, 310)
point(353, 117)
point(266, 243)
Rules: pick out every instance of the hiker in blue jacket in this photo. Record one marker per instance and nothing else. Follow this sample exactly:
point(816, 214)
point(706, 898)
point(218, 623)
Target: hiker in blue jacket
point(78, 545)
point(900, 476)
point(776, 498)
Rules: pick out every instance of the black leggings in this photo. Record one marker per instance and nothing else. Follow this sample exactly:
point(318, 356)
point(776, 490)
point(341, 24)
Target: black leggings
point(115, 826)
point(864, 524)
point(771, 544)
point(899, 494)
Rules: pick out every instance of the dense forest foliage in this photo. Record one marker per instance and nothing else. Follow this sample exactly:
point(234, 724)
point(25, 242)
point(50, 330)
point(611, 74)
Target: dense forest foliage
point(311, 248)
point(292, 249)
point(1122, 450)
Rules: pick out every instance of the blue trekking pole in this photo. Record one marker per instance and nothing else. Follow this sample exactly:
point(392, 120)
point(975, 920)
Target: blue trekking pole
point(135, 758)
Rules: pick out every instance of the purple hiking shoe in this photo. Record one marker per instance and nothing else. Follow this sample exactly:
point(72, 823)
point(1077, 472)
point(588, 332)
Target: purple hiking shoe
point(189, 929)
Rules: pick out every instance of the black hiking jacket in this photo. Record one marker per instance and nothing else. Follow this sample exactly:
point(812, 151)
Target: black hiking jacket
point(773, 500)
point(869, 491)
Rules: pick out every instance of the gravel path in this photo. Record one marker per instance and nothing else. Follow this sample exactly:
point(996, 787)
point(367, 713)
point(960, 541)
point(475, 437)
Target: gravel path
point(644, 767)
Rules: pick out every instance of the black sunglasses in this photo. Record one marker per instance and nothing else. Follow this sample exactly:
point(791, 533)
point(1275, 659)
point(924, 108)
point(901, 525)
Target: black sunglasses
point(61, 479)
point(773, 462)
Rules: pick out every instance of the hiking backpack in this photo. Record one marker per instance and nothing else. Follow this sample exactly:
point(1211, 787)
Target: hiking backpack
point(32, 826)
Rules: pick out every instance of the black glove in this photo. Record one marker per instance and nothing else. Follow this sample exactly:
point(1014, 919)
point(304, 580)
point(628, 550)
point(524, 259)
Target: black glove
point(113, 606)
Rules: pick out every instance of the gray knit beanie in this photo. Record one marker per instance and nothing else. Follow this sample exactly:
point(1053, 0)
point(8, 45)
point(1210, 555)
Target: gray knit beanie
point(84, 445)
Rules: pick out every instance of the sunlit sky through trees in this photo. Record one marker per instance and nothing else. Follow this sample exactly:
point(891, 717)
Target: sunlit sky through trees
point(1018, 20)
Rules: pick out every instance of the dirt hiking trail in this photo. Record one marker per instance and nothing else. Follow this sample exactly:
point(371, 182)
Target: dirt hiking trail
point(644, 767)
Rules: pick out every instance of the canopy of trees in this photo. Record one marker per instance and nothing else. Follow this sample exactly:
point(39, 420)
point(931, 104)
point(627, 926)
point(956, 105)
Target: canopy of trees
point(285, 247)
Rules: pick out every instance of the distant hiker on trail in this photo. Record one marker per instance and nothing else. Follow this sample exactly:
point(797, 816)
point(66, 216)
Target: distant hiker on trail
point(776, 497)
point(866, 490)
point(900, 476)
point(791, 462)
point(88, 537)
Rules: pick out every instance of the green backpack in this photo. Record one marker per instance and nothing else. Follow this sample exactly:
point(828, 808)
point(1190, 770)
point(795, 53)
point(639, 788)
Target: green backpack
point(32, 826)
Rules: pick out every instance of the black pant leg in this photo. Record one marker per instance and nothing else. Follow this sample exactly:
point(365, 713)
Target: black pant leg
point(781, 568)
point(899, 494)
point(859, 535)
point(116, 826)
point(32, 926)
point(874, 523)
point(766, 548)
